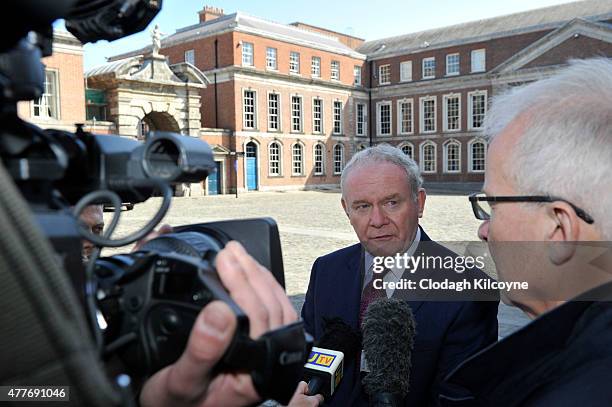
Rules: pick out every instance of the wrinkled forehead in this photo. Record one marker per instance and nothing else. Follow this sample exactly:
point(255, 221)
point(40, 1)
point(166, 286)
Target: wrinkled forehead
point(376, 177)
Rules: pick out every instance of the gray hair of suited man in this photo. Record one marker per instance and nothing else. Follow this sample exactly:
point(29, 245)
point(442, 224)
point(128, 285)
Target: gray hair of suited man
point(385, 153)
point(565, 148)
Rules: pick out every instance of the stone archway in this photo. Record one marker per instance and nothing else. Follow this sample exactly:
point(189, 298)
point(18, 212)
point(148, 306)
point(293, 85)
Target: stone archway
point(154, 121)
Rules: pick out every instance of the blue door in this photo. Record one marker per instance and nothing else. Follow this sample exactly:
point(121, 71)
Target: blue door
point(251, 166)
point(214, 180)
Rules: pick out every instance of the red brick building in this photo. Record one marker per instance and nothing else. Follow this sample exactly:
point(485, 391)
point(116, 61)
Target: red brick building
point(285, 106)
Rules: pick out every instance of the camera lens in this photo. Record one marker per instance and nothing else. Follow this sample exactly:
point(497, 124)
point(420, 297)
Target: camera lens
point(161, 159)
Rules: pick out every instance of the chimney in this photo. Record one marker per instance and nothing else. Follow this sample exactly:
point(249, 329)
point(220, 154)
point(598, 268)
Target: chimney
point(210, 13)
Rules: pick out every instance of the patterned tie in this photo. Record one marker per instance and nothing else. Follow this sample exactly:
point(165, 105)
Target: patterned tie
point(370, 294)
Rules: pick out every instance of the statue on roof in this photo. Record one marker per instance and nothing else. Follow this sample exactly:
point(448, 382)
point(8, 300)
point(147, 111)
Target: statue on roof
point(156, 37)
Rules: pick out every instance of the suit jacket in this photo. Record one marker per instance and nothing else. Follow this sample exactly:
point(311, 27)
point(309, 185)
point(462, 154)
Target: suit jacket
point(448, 332)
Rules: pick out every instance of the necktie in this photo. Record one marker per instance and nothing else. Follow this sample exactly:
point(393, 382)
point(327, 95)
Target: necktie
point(370, 293)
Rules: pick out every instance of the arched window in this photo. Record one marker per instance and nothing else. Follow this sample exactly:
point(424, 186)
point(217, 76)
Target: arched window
point(408, 150)
point(274, 158)
point(428, 157)
point(452, 157)
point(477, 154)
point(297, 159)
point(319, 159)
point(338, 158)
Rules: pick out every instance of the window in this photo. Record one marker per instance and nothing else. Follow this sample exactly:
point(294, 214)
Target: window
point(408, 150)
point(476, 151)
point(296, 113)
point(477, 109)
point(452, 157)
point(452, 112)
point(357, 76)
point(384, 118)
point(274, 158)
point(360, 127)
point(429, 68)
point(142, 130)
point(338, 158)
point(428, 157)
point(190, 56)
point(404, 116)
point(297, 159)
point(337, 117)
point(319, 159)
point(247, 54)
point(452, 64)
point(271, 59)
point(315, 67)
point(478, 60)
point(384, 74)
point(428, 114)
point(294, 62)
point(406, 71)
point(317, 115)
point(335, 70)
point(46, 106)
point(273, 109)
point(249, 112)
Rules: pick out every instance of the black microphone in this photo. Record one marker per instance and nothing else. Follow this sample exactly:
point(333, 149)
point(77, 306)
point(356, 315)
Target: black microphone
point(325, 366)
point(388, 338)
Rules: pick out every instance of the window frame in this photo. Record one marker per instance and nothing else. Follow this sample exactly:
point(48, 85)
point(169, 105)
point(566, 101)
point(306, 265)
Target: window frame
point(313, 65)
point(314, 158)
point(400, 117)
point(301, 116)
point(458, 72)
point(403, 78)
point(356, 75)
point(294, 66)
point(336, 70)
point(278, 112)
point(478, 51)
point(192, 53)
point(302, 161)
point(407, 144)
point(379, 106)
point(387, 74)
point(270, 58)
point(364, 124)
point(445, 99)
point(342, 158)
point(322, 124)
point(54, 97)
point(422, 157)
point(471, 155)
point(445, 158)
point(423, 62)
point(422, 101)
point(245, 45)
point(471, 108)
point(280, 159)
point(244, 112)
point(340, 118)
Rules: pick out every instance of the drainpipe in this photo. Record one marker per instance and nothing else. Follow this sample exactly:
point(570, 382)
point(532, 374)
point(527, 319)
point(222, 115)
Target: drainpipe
point(370, 103)
point(215, 78)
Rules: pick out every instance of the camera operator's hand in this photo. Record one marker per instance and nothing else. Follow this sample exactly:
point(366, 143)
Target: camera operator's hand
point(302, 399)
point(188, 382)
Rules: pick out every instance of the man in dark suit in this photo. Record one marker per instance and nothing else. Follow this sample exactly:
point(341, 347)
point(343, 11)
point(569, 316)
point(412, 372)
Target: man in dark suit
point(383, 199)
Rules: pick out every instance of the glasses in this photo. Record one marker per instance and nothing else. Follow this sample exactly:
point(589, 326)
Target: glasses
point(481, 204)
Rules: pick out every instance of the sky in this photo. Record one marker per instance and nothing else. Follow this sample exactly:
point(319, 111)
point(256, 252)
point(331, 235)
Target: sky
point(362, 18)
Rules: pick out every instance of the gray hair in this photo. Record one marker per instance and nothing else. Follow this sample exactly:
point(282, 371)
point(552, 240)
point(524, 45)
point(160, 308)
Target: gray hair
point(385, 153)
point(566, 147)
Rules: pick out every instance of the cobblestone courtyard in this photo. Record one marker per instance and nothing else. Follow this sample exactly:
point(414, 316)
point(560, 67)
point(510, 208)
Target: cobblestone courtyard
point(311, 224)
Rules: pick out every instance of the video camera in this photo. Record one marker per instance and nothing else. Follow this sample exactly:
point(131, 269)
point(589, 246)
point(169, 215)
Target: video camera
point(141, 306)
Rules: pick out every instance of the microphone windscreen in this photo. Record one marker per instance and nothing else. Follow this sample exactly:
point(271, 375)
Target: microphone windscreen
point(388, 337)
point(340, 336)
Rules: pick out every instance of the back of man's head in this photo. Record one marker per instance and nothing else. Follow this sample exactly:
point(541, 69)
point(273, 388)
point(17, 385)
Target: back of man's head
point(385, 153)
point(566, 146)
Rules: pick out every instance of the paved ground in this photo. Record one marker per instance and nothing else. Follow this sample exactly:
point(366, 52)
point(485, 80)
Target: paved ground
point(312, 223)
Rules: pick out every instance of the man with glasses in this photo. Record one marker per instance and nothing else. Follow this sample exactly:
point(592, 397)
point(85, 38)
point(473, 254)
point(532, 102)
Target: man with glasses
point(545, 211)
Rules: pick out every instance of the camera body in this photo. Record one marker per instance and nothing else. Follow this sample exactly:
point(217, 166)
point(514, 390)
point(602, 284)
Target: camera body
point(145, 302)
